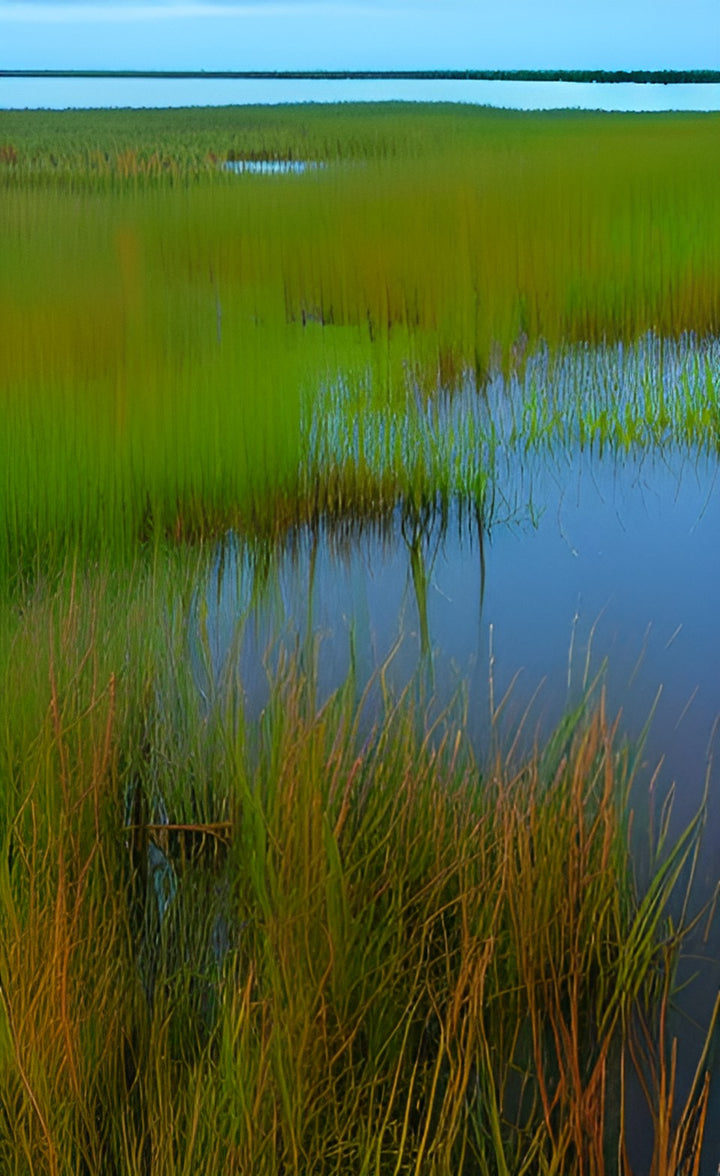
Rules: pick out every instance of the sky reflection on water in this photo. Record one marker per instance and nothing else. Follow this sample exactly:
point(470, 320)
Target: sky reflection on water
point(57, 93)
point(618, 559)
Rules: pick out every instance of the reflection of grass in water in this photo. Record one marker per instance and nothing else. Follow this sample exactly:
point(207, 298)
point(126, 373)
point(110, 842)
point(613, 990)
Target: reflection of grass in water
point(371, 951)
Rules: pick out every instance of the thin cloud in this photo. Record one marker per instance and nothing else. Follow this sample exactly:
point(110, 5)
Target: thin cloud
point(47, 11)
point(36, 11)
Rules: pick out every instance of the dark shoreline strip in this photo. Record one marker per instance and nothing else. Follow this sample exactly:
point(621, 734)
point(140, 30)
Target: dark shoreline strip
point(662, 77)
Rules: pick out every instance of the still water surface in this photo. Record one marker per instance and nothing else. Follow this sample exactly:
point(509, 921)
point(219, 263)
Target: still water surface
point(617, 561)
point(56, 93)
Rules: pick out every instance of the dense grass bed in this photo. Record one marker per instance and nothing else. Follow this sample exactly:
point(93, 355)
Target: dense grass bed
point(169, 328)
point(334, 938)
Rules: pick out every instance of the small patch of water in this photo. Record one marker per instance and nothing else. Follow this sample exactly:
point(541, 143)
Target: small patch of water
point(270, 167)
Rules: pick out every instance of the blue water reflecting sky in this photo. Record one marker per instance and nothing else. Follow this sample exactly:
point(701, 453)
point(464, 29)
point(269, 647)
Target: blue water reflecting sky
point(57, 93)
point(617, 559)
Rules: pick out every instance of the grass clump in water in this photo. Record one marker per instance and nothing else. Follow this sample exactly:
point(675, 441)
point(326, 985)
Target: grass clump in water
point(319, 940)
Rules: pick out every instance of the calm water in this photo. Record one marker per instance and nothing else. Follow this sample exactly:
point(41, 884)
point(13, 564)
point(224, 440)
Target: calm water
point(616, 560)
point(266, 167)
point(56, 93)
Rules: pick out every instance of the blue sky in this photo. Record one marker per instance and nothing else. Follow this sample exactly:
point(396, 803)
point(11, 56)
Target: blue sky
point(357, 34)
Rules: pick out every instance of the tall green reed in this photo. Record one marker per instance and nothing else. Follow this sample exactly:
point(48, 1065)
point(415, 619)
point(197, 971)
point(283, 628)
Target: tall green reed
point(323, 937)
point(173, 335)
point(317, 940)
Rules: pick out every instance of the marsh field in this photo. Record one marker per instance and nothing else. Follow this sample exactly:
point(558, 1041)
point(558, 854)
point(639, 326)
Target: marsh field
point(359, 521)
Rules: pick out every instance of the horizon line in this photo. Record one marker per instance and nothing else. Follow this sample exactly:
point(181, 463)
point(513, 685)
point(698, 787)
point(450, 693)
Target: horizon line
point(663, 77)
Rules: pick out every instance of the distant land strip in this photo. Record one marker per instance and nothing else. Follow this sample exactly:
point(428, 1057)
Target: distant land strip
point(662, 76)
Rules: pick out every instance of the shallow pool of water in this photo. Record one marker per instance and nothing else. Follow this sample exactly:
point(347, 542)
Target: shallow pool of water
point(266, 167)
point(613, 570)
point(617, 560)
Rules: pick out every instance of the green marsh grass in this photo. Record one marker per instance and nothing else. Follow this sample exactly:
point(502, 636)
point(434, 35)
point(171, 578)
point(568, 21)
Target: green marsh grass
point(313, 941)
point(170, 334)
point(297, 942)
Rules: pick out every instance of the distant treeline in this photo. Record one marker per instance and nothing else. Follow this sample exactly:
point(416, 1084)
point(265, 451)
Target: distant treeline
point(662, 76)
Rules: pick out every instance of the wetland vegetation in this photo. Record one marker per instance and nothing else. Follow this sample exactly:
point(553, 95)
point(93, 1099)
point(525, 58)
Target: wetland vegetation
point(255, 918)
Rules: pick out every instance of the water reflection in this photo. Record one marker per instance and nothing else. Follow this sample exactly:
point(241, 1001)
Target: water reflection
point(56, 93)
point(617, 560)
point(270, 166)
point(616, 573)
point(617, 564)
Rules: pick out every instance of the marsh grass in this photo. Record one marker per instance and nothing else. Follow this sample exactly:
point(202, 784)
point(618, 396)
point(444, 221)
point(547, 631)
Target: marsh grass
point(186, 350)
point(321, 940)
point(329, 938)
